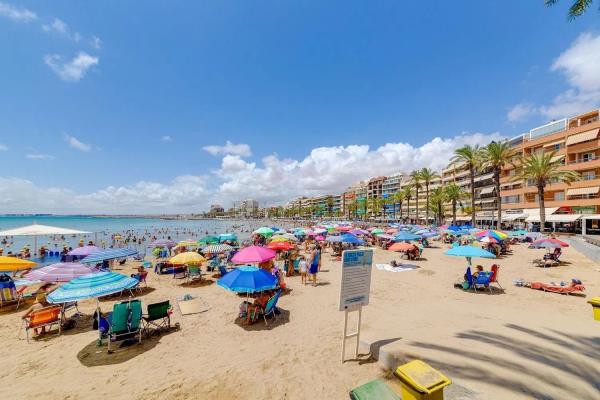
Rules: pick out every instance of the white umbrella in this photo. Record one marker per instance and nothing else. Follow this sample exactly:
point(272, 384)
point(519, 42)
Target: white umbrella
point(36, 230)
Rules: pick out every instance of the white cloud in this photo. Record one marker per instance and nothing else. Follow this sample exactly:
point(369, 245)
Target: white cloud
point(38, 156)
point(580, 64)
point(16, 14)
point(332, 169)
point(77, 144)
point(520, 111)
point(72, 70)
point(3, 147)
point(240, 149)
point(96, 43)
point(184, 194)
point(166, 138)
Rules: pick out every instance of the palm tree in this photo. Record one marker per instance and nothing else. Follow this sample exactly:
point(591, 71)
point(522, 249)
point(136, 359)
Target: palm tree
point(415, 177)
point(407, 193)
point(541, 168)
point(471, 157)
point(330, 206)
point(438, 198)
point(398, 198)
point(496, 156)
point(427, 175)
point(577, 8)
point(454, 194)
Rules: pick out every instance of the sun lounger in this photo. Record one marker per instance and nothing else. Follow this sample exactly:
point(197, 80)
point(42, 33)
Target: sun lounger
point(125, 322)
point(158, 317)
point(43, 317)
point(374, 390)
point(269, 308)
point(557, 289)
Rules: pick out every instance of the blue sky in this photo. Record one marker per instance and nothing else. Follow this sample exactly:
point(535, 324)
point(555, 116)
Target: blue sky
point(107, 106)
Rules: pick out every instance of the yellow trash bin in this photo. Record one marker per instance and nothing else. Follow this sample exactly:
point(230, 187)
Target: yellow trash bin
point(595, 302)
point(419, 381)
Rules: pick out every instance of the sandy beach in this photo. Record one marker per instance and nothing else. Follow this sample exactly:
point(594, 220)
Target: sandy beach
point(520, 344)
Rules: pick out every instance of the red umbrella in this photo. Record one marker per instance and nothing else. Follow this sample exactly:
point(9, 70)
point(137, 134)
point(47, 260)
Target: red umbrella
point(549, 242)
point(280, 246)
point(401, 246)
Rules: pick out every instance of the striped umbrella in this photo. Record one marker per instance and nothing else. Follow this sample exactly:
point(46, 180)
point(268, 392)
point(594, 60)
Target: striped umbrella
point(84, 251)
point(108, 254)
point(60, 272)
point(166, 243)
point(90, 286)
point(217, 248)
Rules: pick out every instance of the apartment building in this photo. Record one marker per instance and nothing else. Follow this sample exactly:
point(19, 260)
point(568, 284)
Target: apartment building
point(375, 192)
point(576, 143)
point(356, 194)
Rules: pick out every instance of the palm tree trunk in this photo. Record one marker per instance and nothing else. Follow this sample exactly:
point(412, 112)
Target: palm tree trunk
point(472, 174)
point(453, 212)
point(427, 203)
point(541, 202)
point(417, 206)
point(408, 208)
point(394, 210)
point(497, 179)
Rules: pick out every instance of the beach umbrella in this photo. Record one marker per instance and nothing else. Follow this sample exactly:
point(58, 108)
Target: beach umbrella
point(334, 239)
point(265, 231)
point(377, 231)
point(14, 264)
point(428, 235)
point(187, 258)
point(320, 231)
point(188, 243)
point(454, 228)
point(548, 243)
point(209, 240)
point(253, 254)
point(391, 231)
point(60, 272)
point(217, 248)
point(227, 236)
point(518, 232)
point(349, 238)
point(488, 239)
point(280, 246)
point(401, 246)
point(469, 252)
point(108, 254)
point(319, 238)
point(498, 235)
point(385, 236)
point(344, 228)
point(84, 251)
point(403, 236)
point(248, 279)
point(90, 286)
point(287, 236)
point(166, 243)
point(279, 239)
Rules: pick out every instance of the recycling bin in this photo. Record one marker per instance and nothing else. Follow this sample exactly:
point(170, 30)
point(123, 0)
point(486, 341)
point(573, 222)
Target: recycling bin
point(419, 381)
point(595, 302)
point(374, 390)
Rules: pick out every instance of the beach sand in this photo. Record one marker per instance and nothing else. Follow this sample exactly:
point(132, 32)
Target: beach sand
point(521, 344)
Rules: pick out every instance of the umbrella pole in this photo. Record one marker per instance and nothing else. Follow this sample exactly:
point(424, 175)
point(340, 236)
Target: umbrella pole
point(99, 317)
point(34, 245)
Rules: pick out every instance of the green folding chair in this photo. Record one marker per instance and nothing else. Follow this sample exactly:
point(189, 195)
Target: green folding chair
point(158, 317)
point(125, 322)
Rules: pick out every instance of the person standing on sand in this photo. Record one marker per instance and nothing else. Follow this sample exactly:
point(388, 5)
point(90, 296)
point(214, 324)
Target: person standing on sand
point(314, 265)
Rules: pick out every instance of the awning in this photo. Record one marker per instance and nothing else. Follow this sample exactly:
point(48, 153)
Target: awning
point(583, 191)
point(534, 213)
point(563, 217)
point(557, 158)
point(590, 216)
point(554, 143)
point(483, 177)
point(513, 217)
point(583, 137)
point(40, 230)
point(463, 218)
point(487, 190)
point(487, 200)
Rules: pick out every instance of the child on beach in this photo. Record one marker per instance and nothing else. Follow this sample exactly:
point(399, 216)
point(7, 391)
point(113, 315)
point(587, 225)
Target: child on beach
point(303, 270)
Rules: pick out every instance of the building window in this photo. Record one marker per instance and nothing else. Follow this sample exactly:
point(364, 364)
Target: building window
point(588, 157)
point(511, 199)
point(556, 147)
point(559, 196)
point(588, 175)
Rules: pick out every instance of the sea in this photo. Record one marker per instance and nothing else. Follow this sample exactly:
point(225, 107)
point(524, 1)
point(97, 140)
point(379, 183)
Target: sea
point(131, 229)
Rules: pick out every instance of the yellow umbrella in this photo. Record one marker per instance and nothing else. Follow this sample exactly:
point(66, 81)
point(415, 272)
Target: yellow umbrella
point(14, 264)
point(187, 243)
point(187, 258)
point(280, 239)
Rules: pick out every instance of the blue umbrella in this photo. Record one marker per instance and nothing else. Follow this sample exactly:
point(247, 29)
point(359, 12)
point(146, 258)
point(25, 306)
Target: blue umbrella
point(248, 279)
point(349, 238)
point(108, 254)
point(90, 286)
point(227, 236)
point(428, 235)
point(469, 251)
point(454, 228)
point(334, 239)
point(401, 236)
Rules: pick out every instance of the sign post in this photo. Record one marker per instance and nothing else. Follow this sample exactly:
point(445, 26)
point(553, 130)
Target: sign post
point(356, 286)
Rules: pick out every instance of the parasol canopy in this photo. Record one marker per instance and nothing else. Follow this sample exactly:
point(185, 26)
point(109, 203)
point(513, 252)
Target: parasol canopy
point(60, 272)
point(90, 286)
point(84, 251)
point(253, 254)
point(187, 258)
point(248, 279)
point(14, 264)
point(108, 254)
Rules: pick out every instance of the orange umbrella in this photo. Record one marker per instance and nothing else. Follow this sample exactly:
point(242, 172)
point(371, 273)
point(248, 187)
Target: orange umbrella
point(280, 246)
point(401, 246)
point(391, 231)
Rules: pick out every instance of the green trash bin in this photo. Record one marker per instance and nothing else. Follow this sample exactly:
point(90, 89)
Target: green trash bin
point(374, 390)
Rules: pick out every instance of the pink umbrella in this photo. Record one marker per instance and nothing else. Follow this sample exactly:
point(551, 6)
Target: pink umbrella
point(84, 251)
point(344, 228)
point(253, 254)
point(60, 272)
point(320, 238)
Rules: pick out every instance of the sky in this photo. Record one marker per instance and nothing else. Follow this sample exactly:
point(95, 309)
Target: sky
point(167, 107)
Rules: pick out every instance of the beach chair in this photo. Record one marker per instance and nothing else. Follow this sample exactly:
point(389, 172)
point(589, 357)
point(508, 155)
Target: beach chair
point(483, 279)
point(494, 278)
point(43, 317)
point(270, 307)
point(125, 322)
point(180, 272)
point(8, 293)
point(222, 270)
point(193, 272)
point(142, 279)
point(469, 279)
point(158, 317)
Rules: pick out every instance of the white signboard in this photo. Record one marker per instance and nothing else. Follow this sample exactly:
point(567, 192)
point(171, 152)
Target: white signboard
point(356, 278)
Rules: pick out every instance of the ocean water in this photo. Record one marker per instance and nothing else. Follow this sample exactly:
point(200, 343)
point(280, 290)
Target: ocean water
point(102, 230)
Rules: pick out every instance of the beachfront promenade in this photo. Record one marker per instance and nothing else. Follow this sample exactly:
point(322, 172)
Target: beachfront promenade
point(513, 344)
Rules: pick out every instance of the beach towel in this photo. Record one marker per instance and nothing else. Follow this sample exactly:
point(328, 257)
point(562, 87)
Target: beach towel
point(191, 305)
point(399, 268)
point(557, 289)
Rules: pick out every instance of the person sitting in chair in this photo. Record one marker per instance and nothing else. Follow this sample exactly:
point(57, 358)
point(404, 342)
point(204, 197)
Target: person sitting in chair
point(259, 304)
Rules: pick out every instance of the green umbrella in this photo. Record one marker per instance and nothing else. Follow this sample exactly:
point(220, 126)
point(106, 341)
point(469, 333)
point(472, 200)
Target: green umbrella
point(265, 231)
point(377, 231)
point(209, 240)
